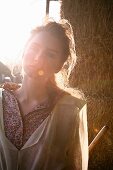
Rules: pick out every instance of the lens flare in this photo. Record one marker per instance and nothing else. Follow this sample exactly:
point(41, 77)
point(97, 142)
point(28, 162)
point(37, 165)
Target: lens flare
point(40, 72)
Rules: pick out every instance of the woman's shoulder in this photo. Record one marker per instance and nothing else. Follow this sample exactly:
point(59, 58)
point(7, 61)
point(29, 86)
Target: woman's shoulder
point(73, 97)
point(6, 92)
point(68, 108)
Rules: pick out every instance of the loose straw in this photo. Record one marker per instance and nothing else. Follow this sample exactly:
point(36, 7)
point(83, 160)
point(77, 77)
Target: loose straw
point(97, 138)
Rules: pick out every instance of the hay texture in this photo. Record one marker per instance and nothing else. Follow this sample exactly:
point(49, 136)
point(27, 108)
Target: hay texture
point(92, 22)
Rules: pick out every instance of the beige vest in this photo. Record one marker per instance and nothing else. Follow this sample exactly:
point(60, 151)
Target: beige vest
point(59, 143)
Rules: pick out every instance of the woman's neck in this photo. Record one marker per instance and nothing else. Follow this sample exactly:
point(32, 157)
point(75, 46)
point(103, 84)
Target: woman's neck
point(32, 90)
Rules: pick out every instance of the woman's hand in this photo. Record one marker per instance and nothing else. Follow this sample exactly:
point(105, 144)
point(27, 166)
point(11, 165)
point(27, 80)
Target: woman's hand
point(10, 86)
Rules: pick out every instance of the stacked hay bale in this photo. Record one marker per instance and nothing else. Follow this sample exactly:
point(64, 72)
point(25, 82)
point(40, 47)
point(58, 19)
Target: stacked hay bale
point(92, 22)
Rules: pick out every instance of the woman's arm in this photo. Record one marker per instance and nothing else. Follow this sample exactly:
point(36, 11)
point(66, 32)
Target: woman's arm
point(83, 135)
point(77, 154)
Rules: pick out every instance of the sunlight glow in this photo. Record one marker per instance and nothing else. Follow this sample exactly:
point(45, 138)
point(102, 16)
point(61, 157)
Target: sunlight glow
point(17, 18)
point(54, 10)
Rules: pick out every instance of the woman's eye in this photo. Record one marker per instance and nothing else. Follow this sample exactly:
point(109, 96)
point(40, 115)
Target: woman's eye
point(51, 55)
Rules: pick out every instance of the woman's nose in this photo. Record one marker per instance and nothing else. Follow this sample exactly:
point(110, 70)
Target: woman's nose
point(39, 59)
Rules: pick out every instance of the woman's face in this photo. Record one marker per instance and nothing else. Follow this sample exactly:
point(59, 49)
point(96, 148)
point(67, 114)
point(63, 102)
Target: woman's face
point(42, 56)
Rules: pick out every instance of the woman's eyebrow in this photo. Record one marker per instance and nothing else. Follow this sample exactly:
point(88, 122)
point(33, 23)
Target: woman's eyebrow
point(49, 49)
point(55, 51)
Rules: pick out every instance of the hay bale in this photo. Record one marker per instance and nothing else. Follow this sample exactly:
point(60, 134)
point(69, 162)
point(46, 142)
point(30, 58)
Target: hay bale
point(100, 111)
point(93, 30)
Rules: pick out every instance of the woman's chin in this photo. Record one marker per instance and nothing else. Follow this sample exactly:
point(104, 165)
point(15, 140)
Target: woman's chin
point(35, 76)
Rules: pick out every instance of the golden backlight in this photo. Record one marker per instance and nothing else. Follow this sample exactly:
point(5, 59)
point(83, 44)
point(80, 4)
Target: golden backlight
point(17, 18)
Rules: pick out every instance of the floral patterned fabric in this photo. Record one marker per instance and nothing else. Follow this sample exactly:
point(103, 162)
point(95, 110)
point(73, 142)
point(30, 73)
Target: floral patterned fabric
point(19, 128)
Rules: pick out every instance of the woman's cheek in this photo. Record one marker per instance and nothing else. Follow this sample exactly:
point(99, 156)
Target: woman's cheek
point(28, 57)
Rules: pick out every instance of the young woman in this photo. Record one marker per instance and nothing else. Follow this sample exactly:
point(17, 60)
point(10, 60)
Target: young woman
point(43, 127)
